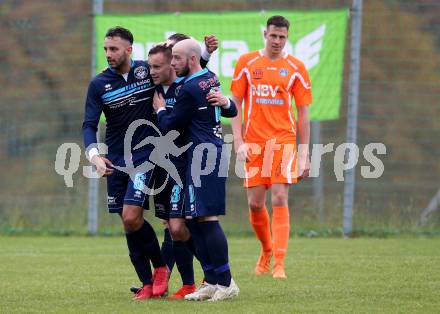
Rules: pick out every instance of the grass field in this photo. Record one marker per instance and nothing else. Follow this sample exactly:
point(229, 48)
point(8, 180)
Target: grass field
point(91, 275)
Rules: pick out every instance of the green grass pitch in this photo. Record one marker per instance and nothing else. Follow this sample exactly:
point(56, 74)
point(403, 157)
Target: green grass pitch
point(93, 275)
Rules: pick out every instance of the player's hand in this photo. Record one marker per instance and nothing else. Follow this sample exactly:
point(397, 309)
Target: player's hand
point(216, 98)
point(242, 150)
point(303, 165)
point(158, 101)
point(211, 43)
point(104, 167)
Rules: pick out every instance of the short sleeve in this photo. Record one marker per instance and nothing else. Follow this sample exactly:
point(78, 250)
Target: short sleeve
point(239, 81)
point(302, 87)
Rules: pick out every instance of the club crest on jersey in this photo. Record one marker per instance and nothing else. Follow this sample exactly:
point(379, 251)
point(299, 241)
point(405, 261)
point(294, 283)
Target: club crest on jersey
point(257, 74)
point(284, 72)
point(141, 72)
point(177, 90)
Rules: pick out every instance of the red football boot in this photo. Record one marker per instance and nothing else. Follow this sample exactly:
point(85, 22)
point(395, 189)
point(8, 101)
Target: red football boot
point(182, 292)
point(146, 292)
point(161, 276)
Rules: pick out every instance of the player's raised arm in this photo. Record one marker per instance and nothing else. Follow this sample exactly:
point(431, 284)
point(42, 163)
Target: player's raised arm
point(211, 45)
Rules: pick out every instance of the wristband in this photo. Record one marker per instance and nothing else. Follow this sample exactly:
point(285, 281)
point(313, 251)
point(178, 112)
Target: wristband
point(228, 105)
point(92, 153)
point(205, 54)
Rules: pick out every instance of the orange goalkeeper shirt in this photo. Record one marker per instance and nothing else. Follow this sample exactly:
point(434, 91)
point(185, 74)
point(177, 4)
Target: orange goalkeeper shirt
point(268, 88)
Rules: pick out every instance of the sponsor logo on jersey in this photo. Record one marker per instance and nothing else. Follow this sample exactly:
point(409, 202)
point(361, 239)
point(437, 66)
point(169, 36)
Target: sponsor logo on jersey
point(131, 101)
point(140, 72)
point(148, 81)
point(266, 94)
point(265, 90)
point(269, 101)
point(170, 101)
point(209, 83)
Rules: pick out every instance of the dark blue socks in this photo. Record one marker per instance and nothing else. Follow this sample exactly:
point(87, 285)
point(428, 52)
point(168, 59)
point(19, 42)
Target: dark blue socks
point(167, 249)
point(138, 259)
point(217, 247)
point(184, 262)
point(179, 253)
point(202, 251)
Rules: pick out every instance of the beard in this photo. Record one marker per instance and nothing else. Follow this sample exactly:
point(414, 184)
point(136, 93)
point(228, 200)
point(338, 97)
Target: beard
point(117, 64)
point(184, 71)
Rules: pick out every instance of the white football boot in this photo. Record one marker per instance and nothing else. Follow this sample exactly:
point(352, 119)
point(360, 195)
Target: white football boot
point(204, 292)
point(224, 293)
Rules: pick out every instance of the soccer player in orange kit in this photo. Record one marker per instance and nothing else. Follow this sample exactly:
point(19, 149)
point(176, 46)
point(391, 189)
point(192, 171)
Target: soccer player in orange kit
point(267, 80)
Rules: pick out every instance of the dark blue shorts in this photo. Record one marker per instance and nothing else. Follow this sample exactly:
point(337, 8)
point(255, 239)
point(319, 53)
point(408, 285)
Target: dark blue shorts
point(162, 198)
point(168, 202)
point(121, 189)
point(205, 195)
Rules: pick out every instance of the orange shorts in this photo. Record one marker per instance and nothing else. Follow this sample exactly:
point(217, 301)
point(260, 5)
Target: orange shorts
point(270, 163)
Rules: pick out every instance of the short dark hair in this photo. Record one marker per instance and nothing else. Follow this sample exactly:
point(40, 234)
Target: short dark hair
point(178, 37)
point(121, 32)
point(278, 21)
point(162, 48)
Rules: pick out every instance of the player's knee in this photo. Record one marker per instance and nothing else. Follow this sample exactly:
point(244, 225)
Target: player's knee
point(255, 205)
point(279, 199)
point(132, 222)
point(179, 232)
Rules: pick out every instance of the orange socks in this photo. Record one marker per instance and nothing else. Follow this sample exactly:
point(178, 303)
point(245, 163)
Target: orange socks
point(280, 232)
point(260, 222)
